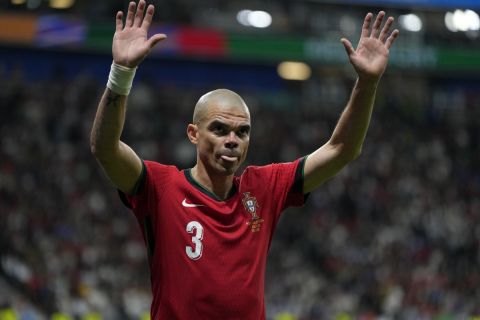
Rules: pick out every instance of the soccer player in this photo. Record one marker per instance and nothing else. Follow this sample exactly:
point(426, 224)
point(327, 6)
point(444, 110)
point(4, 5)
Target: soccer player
point(208, 231)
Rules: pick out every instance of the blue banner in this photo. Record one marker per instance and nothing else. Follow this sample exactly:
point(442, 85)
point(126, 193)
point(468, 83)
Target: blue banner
point(440, 4)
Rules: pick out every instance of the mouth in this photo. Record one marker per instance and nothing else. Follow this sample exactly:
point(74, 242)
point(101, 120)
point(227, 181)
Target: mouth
point(229, 158)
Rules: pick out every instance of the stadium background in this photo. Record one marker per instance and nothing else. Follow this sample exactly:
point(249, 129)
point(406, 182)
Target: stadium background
point(394, 236)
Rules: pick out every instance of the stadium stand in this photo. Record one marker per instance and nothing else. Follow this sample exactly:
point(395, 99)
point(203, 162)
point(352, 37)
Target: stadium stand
point(394, 236)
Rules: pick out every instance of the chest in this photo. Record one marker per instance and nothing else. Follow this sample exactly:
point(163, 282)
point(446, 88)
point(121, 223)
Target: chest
point(196, 226)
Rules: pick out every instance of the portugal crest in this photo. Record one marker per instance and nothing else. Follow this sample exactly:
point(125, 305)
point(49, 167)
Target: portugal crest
point(251, 205)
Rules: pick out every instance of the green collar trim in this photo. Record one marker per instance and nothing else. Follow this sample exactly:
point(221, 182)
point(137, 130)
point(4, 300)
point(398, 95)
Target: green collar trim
point(196, 184)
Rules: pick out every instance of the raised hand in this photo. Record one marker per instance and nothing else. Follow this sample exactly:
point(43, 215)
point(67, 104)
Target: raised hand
point(130, 42)
point(371, 55)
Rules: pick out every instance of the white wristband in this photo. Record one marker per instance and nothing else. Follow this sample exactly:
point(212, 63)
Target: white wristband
point(120, 79)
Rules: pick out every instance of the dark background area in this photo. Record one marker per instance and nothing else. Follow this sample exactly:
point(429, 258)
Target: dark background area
point(393, 236)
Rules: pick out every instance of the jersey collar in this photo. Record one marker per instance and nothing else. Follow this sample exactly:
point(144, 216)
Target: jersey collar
point(196, 184)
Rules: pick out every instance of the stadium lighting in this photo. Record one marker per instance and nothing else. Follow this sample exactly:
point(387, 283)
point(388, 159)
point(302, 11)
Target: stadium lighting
point(410, 22)
point(474, 20)
point(242, 17)
point(461, 20)
point(260, 19)
point(256, 19)
point(449, 22)
point(18, 2)
point(291, 70)
point(61, 4)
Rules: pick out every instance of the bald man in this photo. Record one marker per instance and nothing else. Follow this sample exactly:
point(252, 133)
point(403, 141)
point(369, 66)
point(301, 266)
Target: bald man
point(208, 231)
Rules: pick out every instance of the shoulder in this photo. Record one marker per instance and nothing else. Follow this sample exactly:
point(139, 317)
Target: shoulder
point(274, 174)
point(256, 170)
point(273, 168)
point(156, 167)
point(160, 173)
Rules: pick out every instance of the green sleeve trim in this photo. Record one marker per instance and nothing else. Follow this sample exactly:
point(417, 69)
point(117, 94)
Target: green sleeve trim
point(140, 181)
point(304, 160)
point(299, 176)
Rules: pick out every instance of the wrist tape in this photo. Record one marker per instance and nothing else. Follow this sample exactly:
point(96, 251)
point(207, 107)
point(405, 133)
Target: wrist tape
point(120, 79)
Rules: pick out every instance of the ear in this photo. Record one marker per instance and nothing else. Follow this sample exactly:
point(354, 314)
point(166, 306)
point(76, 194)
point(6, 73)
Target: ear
point(192, 131)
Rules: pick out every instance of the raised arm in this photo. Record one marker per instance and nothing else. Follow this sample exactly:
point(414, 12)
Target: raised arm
point(369, 60)
point(130, 46)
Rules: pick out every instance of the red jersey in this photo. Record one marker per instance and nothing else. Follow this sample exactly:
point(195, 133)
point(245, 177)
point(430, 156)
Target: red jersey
point(207, 256)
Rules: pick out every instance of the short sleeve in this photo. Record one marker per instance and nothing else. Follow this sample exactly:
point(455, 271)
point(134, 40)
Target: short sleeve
point(149, 188)
point(280, 183)
point(288, 182)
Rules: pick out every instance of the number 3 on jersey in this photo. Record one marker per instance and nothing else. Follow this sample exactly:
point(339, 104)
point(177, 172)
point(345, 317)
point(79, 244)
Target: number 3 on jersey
point(196, 229)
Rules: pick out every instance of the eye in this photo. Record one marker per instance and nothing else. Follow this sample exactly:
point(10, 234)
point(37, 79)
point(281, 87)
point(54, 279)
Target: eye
point(218, 129)
point(243, 132)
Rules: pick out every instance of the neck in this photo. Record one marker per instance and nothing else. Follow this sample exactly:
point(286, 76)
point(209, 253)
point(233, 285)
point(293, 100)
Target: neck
point(219, 185)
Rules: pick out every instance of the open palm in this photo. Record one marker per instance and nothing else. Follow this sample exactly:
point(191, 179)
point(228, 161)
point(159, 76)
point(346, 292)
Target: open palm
point(130, 42)
point(371, 55)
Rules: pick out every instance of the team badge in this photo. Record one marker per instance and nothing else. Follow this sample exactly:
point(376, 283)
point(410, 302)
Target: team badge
point(251, 205)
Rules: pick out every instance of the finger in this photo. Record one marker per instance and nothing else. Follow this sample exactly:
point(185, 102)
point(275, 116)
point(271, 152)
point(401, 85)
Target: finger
point(366, 25)
point(377, 24)
point(131, 12)
point(386, 29)
point(391, 39)
point(139, 14)
point(348, 46)
point(156, 38)
point(148, 17)
point(119, 21)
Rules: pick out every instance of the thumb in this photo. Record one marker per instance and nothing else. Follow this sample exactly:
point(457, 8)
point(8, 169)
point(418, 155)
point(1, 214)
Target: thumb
point(156, 38)
point(348, 46)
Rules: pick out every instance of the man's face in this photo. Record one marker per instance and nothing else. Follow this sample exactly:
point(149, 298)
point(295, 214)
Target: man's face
point(223, 136)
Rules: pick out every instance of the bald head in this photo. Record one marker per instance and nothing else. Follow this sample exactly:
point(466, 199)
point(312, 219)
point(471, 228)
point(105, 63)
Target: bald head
point(222, 99)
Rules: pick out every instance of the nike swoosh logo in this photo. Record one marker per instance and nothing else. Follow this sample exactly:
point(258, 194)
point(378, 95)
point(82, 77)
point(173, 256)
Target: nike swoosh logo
point(190, 205)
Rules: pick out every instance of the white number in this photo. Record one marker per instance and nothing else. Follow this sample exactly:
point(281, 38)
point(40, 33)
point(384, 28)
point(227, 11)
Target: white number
point(196, 253)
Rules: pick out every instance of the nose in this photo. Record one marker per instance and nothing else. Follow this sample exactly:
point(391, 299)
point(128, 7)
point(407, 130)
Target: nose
point(231, 141)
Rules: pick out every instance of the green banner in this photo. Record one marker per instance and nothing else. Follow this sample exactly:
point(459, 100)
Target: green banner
point(456, 59)
point(330, 52)
point(265, 47)
point(262, 47)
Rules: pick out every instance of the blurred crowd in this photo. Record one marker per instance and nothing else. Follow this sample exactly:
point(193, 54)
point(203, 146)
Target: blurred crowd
point(393, 236)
